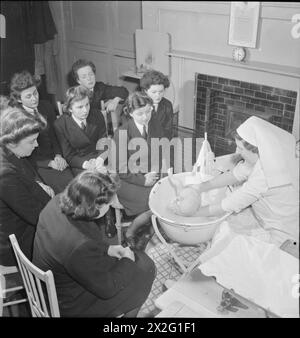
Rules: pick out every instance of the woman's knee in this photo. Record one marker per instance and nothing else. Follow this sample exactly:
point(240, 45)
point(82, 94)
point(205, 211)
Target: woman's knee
point(145, 263)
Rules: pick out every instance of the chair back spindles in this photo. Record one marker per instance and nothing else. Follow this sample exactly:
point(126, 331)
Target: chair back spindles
point(34, 280)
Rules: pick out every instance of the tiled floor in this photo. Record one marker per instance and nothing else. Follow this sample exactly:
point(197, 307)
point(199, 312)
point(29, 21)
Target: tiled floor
point(166, 268)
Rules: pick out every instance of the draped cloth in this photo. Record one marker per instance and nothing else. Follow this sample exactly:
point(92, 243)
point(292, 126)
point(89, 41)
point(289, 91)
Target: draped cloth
point(45, 45)
point(277, 151)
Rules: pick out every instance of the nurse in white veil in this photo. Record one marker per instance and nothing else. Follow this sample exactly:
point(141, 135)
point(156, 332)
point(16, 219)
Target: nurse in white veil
point(268, 179)
point(249, 259)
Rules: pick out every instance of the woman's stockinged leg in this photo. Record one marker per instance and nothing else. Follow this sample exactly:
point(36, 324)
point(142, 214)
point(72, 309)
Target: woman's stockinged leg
point(138, 222)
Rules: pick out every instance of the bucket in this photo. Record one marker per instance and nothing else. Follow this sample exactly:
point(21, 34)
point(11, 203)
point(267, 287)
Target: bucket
point(185, 230)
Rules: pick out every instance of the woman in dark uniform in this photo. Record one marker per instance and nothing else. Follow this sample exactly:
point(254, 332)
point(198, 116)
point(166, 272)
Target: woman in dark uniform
point(78, 131)
point(22, 193)
point(47, 157)
point(92, 278)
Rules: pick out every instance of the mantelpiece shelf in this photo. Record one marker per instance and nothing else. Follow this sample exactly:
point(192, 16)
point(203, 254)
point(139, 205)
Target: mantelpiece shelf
point(254, 65)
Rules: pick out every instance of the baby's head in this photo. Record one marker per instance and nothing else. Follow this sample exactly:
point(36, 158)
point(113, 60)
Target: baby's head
point(186, 203)
point(154, 83)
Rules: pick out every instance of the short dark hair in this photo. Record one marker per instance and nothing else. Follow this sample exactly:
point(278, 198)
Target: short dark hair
point(74, 94)
point(136, 100)
point(17, 124)
point(246, 144)
point(80, 64)
point(85, 192)
point(20, 82)
point(154, 77)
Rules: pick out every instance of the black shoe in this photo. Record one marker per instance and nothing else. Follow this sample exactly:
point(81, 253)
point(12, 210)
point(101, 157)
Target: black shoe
point(110, 227)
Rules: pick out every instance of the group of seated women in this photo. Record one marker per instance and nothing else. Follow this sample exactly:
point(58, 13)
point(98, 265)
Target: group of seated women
point(56, 184)
point(52, 194)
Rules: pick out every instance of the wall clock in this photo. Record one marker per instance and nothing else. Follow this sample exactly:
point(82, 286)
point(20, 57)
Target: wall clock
point(239, 54)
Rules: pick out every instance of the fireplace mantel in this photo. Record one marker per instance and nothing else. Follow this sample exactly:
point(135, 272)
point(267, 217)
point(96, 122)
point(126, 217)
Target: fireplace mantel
point(257, 66)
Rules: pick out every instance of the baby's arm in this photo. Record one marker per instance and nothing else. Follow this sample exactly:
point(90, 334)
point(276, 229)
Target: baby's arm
point(175, 183)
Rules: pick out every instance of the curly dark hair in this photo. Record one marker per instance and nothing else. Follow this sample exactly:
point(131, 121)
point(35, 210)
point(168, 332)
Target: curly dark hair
point(135, 101)
point(20, 82)
point(154, 77)
point(17, 124)
point(86, 192)
point(80, 64)
point(74, 94)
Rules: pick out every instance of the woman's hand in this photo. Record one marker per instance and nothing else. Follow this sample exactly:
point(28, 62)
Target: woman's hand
point(90, 164)
point(99, 164)
point(112, 104)
point(119, 252)
point(151, 178)
point(59, 163)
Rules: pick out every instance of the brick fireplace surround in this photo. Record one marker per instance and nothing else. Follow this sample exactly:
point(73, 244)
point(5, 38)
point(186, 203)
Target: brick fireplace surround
point(222, 104)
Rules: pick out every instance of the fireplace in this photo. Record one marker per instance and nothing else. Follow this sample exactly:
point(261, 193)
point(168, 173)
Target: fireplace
point(222, 104)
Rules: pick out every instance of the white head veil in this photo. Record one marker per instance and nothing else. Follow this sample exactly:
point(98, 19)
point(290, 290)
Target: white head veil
point(277, 150)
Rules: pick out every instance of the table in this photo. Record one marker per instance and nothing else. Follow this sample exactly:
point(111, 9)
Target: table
point(198, 296)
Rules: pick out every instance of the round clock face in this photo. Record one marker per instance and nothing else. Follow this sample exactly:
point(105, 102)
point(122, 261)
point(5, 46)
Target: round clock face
point(239, 54)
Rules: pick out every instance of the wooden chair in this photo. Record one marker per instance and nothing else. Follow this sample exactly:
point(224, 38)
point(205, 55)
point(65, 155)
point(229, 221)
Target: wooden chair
point(114, 116)
point(119, 223)
point(37, 284)
point(8, 296)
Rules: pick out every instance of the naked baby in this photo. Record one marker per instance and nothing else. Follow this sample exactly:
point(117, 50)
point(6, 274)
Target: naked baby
point(187, 200)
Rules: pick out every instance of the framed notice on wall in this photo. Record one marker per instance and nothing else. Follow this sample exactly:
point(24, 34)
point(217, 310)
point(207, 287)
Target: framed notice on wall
point(243, 26)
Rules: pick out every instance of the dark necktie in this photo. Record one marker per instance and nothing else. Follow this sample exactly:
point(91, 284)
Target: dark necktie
point(36, 112)
point(109, 126)
point(83, 126)
point(144, 134)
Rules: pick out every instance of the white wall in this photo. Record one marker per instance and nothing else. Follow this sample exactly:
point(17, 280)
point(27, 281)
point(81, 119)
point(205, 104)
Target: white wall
point(202, 27)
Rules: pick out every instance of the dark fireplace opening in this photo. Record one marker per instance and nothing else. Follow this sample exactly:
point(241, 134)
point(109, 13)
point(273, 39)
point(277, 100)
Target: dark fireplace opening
point(221, 105)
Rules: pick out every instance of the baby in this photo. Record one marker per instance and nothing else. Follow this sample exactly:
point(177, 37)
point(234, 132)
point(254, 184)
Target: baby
point(187, 201)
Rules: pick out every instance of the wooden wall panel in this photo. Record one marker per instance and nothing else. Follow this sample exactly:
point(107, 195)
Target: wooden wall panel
point(103, 32)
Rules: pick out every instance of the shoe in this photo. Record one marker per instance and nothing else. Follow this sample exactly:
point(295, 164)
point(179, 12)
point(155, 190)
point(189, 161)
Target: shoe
point(110, 227)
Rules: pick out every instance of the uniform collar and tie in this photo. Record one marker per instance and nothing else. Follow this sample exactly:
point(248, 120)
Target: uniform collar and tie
point(80, 123)
point(30, 110)
point(143, 129)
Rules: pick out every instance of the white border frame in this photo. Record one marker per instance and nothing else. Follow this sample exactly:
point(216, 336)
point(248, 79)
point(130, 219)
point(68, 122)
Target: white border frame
point(251, 43)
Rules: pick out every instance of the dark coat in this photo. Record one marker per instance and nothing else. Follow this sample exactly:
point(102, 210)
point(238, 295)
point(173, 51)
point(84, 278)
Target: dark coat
point(21, 200)
point(78, 145)
point(133, 194)
point(106, 92)
point(46, 151)
point(164, 115)
point(88, 281)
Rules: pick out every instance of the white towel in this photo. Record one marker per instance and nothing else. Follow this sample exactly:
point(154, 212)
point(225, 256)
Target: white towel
point(277, 150)
point(255, 270)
